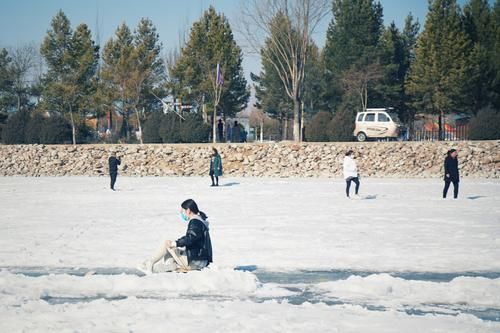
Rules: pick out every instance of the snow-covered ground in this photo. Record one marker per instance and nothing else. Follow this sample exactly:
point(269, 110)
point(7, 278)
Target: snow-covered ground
point(291, 255)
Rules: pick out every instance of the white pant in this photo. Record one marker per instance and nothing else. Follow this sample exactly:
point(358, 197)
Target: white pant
point(164, 262)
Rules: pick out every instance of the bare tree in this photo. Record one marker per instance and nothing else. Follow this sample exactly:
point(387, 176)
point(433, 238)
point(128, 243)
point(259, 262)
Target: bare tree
point(257, 118)
point(23, 65)
point(287, 46)
point(216, 81)
point(136, 81)
point(356, 81)
point(171, 55)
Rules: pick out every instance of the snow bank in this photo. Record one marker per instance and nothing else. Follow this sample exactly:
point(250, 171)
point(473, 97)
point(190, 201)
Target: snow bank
point(389, 291)
point(210, 282)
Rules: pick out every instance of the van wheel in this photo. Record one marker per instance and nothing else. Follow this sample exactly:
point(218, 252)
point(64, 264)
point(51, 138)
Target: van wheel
point(361, 137)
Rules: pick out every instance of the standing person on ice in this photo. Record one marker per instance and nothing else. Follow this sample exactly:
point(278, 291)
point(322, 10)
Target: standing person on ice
point(451, 173)
point(113, 162)
point(197, 252)
point(350, 173)
point(215, 167)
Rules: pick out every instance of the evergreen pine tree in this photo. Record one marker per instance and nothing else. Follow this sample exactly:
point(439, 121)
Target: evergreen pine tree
point(6, 82)
point(351, 43)
point(193, 75)
point(479, 26)
point(438, 76)
point(150, 66)
point(14, 130)
point(118, 65)
point(72, 62)
point(410, 34)
point(390, 90)
point(496, 53)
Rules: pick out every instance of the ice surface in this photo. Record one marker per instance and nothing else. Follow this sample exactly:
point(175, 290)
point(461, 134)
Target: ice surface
point(303, 230)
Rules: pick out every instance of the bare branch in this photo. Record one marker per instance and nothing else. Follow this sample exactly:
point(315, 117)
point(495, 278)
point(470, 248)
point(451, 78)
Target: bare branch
point(357, 80)
point(281, 32)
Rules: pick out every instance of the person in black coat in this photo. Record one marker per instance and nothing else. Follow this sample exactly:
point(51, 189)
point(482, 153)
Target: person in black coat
point(194, 249)
point(451, 173)
point(113, 162)
point(220, 130)
point(236, 132)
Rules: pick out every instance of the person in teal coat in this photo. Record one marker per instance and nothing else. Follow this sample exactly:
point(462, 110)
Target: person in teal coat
point(215, 167)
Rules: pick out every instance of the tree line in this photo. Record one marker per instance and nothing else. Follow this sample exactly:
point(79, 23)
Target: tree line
point(451, 64)
point(129, 77)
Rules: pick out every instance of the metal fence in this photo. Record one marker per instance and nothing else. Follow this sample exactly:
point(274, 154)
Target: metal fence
point(459, 133)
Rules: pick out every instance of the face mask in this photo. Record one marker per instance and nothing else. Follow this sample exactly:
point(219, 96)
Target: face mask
point(183, 216)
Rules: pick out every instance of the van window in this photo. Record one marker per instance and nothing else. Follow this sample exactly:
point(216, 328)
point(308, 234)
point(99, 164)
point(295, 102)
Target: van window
point(360, 117)
point(370, 117)
point(383, 117)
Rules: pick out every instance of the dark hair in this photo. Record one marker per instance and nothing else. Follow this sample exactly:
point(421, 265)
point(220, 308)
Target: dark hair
point(349, 153)
point(192, 206)
point(215, 150)
point(450, 152)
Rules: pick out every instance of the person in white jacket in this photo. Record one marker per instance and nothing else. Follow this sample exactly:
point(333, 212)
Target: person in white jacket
point(350, 173)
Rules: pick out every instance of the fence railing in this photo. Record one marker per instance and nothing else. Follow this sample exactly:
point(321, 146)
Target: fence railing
point(459, 133)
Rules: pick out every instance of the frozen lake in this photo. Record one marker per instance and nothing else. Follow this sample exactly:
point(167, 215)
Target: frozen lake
point(290, 255)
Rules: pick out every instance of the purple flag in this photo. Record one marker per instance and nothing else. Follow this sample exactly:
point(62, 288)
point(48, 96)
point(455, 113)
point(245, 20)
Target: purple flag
point(219, 80)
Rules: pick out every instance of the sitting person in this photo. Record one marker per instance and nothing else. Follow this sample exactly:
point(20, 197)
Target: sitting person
point(192, 251)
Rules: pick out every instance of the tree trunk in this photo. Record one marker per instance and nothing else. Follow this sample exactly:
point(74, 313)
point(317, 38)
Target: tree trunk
point(285, 128)
point(440, 126)
point(296, 119)
point(214, 126)
point(139, 125)
point(366, 99)
point(73, 129)
point(110, 125)
point(302, 121)
point(127, 126)
point(411, 130)
point(204, 112)
point(262, 130)
point(125, 117)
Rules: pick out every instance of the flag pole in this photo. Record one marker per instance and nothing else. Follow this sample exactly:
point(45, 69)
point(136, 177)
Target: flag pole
point(218, 89)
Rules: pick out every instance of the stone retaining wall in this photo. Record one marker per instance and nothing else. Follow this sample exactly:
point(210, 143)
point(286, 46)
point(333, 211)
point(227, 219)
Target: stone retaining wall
point(375, 159)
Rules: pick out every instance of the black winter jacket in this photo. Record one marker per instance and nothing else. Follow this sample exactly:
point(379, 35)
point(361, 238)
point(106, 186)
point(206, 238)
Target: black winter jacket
point(113, 164)
point(451, 168)
point(197, 241)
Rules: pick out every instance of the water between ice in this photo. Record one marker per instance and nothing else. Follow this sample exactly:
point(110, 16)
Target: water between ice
point(304, 276)
point(310, 277)
point(296, 282)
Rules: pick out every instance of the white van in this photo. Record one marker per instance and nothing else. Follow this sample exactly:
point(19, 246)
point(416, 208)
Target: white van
point(375, 124)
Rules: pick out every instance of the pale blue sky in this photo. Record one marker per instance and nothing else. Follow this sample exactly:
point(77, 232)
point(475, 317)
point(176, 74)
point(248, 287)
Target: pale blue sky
point(23, 21)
